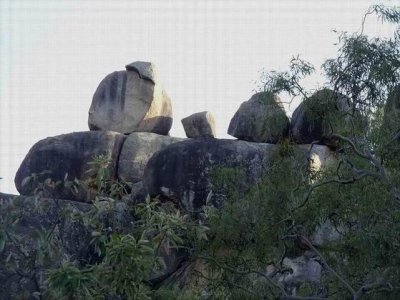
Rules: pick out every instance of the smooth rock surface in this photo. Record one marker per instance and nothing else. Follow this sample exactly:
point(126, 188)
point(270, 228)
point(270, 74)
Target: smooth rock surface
point(128, 101)
point(186, 172)
point(261, 119)
point(67, 156)
point(200, 124)
point(138, 148)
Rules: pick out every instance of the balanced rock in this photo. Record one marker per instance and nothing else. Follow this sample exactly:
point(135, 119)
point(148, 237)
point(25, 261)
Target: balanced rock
point(131, 101)
point(65, 158)
point(322, 114)
point(200, 124)
point(188, 172)
point(138, 148)
point(261, 119)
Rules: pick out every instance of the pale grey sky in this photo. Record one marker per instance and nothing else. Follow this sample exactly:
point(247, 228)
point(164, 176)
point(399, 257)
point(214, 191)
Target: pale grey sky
point(54, 53)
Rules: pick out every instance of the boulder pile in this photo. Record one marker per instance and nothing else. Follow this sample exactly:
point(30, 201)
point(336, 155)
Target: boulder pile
point(129, 120)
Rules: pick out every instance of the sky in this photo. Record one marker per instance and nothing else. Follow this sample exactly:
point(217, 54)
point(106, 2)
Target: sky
point(209, 54)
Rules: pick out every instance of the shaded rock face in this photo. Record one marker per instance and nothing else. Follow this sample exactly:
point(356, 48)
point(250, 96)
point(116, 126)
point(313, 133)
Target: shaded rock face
point(129, 101)
point(261, 119)
point(322, 114)
point(138, 148)
point(183, 171)
point(67, 154)
point(188, 172)
point(200, 124)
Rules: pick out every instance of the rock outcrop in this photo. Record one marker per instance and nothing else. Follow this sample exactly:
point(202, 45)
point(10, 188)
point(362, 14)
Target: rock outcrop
point(130, 118)
point(65, 158)
point(131, 101)
point(261, 119)
point(138, 148)
point(200, 124)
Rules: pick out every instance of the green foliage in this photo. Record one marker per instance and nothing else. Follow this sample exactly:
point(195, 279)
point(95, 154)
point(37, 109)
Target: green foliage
point(127, 264)
point(69, 282)
point(101, 181)
point(128, 260)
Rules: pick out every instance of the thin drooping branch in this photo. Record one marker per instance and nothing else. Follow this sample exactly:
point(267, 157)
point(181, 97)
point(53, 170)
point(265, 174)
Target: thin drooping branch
point(284, 295)
point(378, 165)
point(334, 180)
point(352, 145)
point(235, 271)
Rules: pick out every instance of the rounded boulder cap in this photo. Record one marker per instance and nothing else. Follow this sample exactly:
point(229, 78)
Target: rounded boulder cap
point(146, 70)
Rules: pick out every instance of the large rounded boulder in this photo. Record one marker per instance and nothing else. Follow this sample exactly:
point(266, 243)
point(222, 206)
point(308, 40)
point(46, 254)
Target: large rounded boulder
point(131, 101)
point(138, 148)
point(183, 172)
point(54, 161)
point(195, 172)
point(324, 113)
point(261, 119)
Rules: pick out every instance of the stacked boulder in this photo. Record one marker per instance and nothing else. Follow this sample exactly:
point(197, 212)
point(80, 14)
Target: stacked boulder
point(131, 101)
point(129, 120)
point(65, 158)
point(200, 124)
point(185, 172)
point(261, 119)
